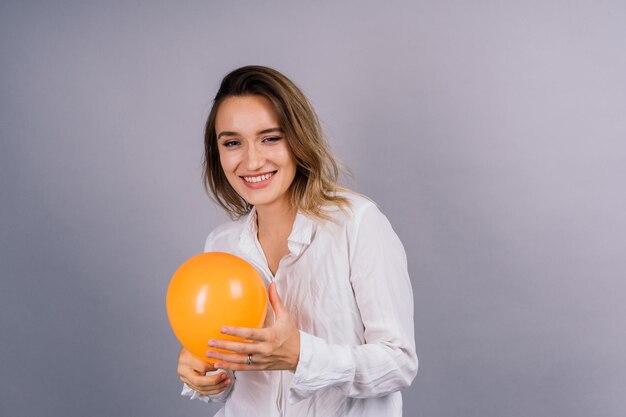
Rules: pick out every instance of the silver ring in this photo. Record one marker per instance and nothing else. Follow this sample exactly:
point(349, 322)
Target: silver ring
point(249, 362)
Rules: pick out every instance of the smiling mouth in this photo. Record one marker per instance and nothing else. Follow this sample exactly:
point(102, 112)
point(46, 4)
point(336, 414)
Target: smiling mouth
point(259, 178)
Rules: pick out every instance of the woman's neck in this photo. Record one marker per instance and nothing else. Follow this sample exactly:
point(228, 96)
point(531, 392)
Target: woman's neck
point(277, 220)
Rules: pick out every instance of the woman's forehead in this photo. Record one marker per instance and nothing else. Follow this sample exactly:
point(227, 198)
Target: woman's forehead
point(246, 114)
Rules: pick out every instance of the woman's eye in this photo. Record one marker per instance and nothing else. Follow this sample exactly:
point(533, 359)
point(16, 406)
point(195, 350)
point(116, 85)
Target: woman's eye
point(230, 143)
point(272, 139)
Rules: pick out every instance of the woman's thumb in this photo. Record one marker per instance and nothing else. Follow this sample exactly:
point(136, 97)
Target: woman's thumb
point(275, 300)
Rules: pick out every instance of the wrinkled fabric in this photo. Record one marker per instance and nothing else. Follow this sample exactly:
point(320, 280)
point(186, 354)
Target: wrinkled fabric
point(345, 283)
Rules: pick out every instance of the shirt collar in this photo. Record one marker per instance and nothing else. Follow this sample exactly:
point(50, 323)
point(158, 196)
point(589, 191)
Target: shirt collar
point(298, 240)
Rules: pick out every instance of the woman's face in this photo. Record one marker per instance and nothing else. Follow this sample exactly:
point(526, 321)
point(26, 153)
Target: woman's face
point(254, 153)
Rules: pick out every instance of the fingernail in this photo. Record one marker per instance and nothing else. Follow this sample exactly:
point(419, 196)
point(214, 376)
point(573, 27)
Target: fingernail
point(212, 343)
point(224, 330)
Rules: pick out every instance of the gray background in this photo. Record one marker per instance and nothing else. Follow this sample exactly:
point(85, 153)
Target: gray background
point(492, 134)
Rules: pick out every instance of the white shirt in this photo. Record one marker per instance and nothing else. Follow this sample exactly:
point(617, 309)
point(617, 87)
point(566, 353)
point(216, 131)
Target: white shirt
point(345, 283)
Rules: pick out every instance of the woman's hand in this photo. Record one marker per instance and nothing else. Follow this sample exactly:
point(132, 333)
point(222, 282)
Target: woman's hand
point(272, 348)
point(191, 371)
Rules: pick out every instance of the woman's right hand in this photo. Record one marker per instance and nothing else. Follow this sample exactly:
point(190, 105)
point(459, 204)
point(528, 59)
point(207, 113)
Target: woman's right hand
point(191, 371)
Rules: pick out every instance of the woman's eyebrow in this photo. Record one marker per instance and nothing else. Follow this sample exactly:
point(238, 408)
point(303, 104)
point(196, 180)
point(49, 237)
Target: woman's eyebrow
point(261, 132)
point(270, 130)
point(226, 133)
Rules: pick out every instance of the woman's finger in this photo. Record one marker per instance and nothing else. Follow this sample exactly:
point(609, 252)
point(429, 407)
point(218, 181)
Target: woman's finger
point(206, 381)
point(255, 335)
point(239, 362)
point(215, 390)
point(209, 389)
point(237, 347)
point(241, 358)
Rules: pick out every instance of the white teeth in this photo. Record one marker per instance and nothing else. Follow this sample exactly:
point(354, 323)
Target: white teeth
point(258, 178)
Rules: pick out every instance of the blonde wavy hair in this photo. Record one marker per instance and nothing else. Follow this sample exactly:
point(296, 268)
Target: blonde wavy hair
point(315, 185)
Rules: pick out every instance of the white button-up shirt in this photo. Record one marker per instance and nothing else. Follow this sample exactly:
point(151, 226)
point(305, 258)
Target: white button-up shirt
point(346, 285)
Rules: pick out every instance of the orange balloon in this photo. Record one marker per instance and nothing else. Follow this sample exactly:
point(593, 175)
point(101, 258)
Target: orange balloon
point(212, 290)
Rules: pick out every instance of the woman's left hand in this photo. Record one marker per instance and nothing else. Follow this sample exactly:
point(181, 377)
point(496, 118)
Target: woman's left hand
point(271, 348)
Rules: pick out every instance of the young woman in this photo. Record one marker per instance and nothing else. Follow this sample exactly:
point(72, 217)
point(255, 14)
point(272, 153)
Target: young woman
point(339, 339)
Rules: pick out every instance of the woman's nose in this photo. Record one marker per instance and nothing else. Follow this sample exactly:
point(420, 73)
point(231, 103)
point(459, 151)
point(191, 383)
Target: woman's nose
point(254, 158)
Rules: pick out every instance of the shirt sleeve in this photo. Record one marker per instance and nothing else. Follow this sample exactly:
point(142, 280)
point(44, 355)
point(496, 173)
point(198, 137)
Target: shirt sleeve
point(387, 361)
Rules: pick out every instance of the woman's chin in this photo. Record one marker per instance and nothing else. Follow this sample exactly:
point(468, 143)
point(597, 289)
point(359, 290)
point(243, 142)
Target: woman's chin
point(254, 199)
